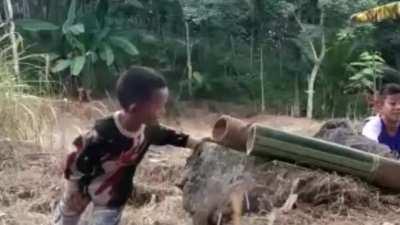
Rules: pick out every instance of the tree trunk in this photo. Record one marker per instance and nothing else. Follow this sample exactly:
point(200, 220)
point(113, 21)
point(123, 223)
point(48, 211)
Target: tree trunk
point(296, 102)
point(397, 60)
point(317, 58)
point(13, 38)
point(313, 76)
point(251, 50)
point(232, 45)
point(262, 80)
point(26, 9)
point(189, 59)
point(333, 108)
point(310, 90)
point(280, 59)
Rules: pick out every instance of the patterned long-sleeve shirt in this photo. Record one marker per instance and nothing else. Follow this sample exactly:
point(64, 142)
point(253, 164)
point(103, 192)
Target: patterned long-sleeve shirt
point(106, 158)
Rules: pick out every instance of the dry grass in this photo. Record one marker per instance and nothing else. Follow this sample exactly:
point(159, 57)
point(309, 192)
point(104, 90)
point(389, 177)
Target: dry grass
point(23, 116)
point(26, 122)
point(27, 184)
point(30, 168)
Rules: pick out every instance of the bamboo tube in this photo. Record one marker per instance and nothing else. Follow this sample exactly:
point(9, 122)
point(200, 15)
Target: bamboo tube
point(267, 142)
point(231, 132)
point(387, 173)
point(310, 142)
point(309, 156)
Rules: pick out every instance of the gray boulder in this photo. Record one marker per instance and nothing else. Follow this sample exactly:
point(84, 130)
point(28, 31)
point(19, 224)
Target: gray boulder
point(342, 131)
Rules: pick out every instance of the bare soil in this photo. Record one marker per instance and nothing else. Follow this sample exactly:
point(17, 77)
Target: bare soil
point(31, 176)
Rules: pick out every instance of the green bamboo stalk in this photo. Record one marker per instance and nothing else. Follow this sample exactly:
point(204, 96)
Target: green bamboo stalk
point(270, 143)
point(313, 143)
point(311, 152)
point(284, 156)
point(268, 147)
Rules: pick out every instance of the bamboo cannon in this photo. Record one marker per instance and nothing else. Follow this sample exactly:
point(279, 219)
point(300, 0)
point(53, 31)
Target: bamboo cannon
point(231, 132)
point(270, 143)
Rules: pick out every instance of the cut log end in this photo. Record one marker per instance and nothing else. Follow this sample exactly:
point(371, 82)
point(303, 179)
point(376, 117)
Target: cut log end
point(230, 132)
point(220, 128)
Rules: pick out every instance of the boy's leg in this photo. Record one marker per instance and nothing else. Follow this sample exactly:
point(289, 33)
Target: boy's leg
point(103, 215)
point(71, 206)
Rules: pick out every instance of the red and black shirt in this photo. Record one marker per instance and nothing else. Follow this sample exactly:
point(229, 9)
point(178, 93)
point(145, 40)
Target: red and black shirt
point(106, 157)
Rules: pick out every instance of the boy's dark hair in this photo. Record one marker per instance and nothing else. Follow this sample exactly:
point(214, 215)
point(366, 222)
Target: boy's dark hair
point(389, 89)
point(137, 84)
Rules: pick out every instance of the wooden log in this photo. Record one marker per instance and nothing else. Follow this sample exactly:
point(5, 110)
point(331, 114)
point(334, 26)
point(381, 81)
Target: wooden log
point(271, 143)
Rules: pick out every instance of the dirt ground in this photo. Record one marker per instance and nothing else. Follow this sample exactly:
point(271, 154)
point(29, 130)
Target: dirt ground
point(30, 176)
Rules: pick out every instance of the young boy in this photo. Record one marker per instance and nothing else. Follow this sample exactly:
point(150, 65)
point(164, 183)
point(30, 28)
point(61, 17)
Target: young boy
point(101, 168)
point(384, 128)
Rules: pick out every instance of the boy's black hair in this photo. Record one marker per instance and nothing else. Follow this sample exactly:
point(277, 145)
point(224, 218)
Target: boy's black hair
point(137, 84)
point(389, 89)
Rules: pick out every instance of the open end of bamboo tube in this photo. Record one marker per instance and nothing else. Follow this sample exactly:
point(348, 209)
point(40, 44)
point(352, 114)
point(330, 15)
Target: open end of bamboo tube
point(250, 139)
point(220, 129)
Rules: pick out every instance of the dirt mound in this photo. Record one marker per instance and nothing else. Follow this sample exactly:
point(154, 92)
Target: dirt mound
point(276, 189)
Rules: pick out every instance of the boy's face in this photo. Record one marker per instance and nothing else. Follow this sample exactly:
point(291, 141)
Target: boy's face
point(150, 111)
point(390, 107)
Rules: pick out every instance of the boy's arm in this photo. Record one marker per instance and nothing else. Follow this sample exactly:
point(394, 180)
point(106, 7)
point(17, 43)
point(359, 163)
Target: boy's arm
point(162, 135)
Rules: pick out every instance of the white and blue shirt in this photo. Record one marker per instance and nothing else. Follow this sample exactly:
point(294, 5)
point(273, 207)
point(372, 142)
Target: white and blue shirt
point(375, 129)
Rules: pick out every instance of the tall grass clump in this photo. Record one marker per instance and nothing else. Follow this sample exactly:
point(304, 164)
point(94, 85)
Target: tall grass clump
point(24, 116)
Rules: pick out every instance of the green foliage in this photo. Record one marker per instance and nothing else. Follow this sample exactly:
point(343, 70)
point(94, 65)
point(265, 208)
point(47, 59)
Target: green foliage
point(94, 40)
point(77, 65)
point(124, 44)
point(107, 54)
point(36, 25)
point(61, 65)
point(83, 39)
point(366, 73)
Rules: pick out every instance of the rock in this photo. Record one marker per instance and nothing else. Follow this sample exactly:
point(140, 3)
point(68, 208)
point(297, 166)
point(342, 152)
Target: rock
point(342, 131)
point(212, 175)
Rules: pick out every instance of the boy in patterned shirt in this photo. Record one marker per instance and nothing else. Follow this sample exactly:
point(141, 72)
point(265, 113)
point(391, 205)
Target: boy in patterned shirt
point(102, 167)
